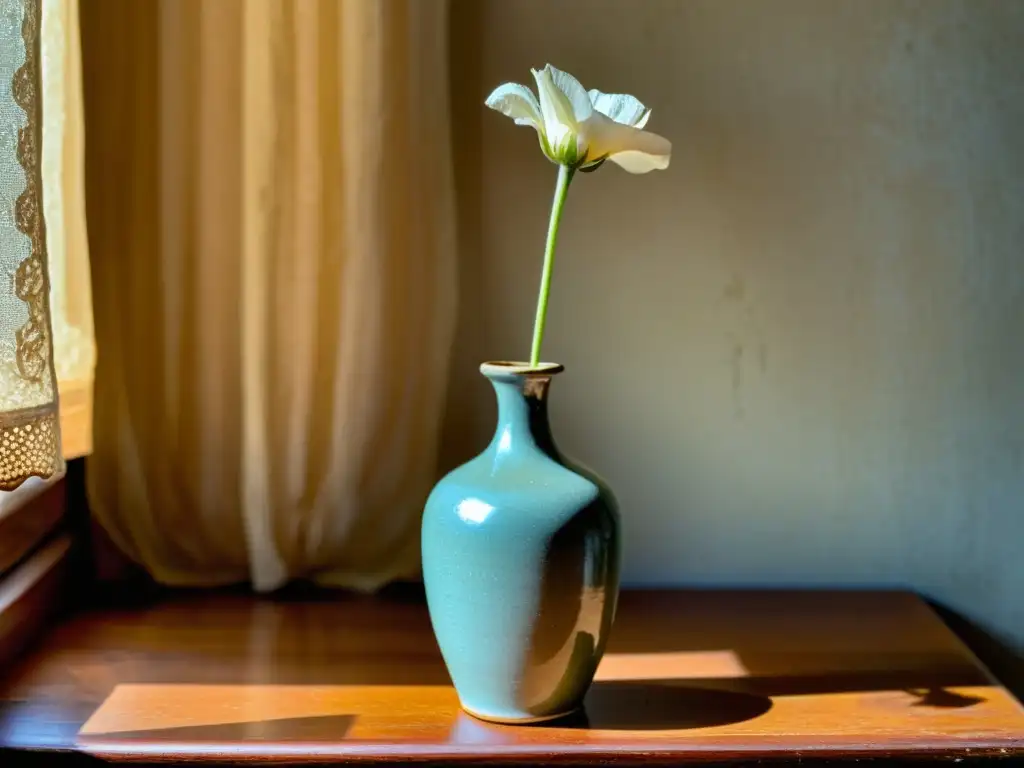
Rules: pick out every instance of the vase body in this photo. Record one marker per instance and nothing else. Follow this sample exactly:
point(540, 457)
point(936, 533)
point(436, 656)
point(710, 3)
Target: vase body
point(521, 563)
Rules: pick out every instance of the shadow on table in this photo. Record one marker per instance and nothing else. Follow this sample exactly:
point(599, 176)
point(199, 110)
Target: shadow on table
point(841, 641)
point(1005, 662)
point(702, 703)
point(663, 705)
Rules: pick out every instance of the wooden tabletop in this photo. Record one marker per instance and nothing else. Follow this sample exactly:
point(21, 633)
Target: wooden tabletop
point(689, 676)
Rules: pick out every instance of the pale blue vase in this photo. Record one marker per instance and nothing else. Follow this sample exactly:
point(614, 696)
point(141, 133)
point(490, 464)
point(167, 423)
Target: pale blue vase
point(521, 563)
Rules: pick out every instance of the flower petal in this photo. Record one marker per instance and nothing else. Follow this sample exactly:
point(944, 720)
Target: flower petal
point(573, 92)
point(561, 128)
point(620, 107)
point(640, 162)
point(635, 150)
point(518, 102)
point(555, 108)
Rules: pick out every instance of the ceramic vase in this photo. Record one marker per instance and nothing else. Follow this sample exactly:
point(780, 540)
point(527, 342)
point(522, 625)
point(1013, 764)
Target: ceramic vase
point(521, 563)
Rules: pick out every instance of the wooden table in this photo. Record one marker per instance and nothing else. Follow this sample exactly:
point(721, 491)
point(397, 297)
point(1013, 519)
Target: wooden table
point(717, 677)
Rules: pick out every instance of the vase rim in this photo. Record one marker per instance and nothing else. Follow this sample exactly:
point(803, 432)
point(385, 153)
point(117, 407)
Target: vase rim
point(519, 368)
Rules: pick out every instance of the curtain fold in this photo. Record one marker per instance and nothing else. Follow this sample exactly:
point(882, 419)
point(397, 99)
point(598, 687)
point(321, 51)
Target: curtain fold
point(63, 169)
point(271, 220)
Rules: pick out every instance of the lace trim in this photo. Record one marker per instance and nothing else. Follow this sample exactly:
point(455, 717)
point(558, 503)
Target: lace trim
point(30, 437)
point(29, 446)
point(31, 280)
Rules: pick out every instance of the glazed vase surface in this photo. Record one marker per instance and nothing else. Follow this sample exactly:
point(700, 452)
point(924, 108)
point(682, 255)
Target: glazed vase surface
point(521, 563)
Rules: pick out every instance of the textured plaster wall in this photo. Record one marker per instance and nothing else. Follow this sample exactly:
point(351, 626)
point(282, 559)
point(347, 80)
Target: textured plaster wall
point(797, 355)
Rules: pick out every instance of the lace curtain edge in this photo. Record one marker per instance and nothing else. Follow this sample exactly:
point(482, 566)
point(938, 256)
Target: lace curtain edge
point(30, 437)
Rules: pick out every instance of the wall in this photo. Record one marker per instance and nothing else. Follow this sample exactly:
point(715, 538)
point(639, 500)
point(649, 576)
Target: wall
point(798, 354)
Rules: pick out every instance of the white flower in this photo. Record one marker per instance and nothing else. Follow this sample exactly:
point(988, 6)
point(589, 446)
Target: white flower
point(582, 129)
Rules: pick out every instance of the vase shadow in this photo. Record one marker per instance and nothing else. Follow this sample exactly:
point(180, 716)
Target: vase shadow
point(661, 706)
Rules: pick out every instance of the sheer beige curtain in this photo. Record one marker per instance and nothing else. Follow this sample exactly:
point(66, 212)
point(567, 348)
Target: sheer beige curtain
point(270, 211)
point(64, 207)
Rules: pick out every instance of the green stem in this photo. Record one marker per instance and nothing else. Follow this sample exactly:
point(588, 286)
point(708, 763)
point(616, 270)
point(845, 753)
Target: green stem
point(561, 189)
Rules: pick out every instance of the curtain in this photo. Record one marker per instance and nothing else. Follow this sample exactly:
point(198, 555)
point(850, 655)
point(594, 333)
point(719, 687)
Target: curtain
point(29, 428)
point(45, 310)
point(269, 194)
point(62, 160)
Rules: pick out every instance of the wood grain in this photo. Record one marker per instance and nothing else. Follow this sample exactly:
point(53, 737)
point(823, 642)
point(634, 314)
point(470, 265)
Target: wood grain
point(709, 676)
point(30, 514)
point(31, 594)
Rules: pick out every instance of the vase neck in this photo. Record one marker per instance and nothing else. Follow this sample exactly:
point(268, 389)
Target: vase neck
point(523, 412)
